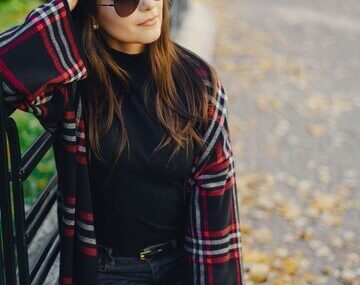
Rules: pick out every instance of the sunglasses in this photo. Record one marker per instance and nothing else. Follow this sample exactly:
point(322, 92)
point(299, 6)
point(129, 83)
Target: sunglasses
point(123, 8)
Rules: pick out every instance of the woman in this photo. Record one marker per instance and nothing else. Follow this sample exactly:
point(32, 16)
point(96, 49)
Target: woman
point(146, 175)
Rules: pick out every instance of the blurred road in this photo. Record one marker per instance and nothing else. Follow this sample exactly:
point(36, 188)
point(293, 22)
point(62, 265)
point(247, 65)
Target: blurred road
point(291, 70)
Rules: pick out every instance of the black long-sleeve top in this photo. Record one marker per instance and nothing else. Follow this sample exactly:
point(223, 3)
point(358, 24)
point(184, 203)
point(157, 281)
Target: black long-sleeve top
point(143, 202)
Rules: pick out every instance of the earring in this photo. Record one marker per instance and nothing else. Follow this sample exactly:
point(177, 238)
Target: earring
point(95, 26)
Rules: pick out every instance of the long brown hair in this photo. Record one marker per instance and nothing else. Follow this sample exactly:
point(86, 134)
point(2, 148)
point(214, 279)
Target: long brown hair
point(170, 63)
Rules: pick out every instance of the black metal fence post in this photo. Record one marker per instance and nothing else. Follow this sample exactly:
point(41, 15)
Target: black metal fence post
point(7, 250)
point(19, 232)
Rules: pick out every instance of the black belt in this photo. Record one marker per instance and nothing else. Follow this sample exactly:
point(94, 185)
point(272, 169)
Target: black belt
point(152, 250)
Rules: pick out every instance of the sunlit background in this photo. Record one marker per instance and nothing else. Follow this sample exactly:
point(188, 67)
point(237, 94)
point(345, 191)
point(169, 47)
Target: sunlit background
point(292, 73)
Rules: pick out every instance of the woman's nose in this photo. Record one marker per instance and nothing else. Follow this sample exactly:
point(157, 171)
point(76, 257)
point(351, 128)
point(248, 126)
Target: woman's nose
point(147, 4)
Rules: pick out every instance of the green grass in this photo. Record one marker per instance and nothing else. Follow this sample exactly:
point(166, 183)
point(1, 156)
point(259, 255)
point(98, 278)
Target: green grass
point(14, 12)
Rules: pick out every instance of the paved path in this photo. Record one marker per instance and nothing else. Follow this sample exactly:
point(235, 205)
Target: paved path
point(291, 70)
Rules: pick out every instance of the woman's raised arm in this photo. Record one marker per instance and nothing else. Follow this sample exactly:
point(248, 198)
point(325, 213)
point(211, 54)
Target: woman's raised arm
point(39, 56)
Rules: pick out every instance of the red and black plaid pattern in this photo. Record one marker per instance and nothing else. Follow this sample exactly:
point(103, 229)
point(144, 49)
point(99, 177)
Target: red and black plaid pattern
point(42, 62)
point(213, 238)
point(46, 42)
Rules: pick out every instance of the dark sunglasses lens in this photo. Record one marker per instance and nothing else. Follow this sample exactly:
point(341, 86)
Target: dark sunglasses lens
point(125, 7)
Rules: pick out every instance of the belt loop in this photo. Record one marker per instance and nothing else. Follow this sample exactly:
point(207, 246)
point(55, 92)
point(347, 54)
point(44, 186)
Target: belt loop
point(107, 256)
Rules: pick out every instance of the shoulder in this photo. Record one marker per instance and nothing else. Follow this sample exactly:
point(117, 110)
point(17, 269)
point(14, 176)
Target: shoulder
point(200, 66)
point(203, 71)
point(215, 92)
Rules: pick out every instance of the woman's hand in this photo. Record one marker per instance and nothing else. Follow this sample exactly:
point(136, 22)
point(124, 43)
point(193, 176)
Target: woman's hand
point(72, 4)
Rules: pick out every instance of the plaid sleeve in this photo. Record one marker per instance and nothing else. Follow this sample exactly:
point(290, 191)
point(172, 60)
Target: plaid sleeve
point(38, 57)
point(214, 243)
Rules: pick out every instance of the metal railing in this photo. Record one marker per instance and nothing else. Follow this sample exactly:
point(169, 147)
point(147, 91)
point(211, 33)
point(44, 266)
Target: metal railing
point(18, 227)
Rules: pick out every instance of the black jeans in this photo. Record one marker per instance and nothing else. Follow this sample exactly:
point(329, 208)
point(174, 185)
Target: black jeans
point(166, 268)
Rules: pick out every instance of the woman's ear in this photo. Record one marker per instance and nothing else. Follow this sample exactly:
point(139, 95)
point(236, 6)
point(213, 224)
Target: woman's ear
point(94, 23)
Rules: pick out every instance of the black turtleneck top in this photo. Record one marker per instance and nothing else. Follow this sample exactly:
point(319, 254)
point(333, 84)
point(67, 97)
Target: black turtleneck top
point(143, 202)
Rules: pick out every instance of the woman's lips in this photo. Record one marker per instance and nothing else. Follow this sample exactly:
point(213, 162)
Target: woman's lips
point(149, 22)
